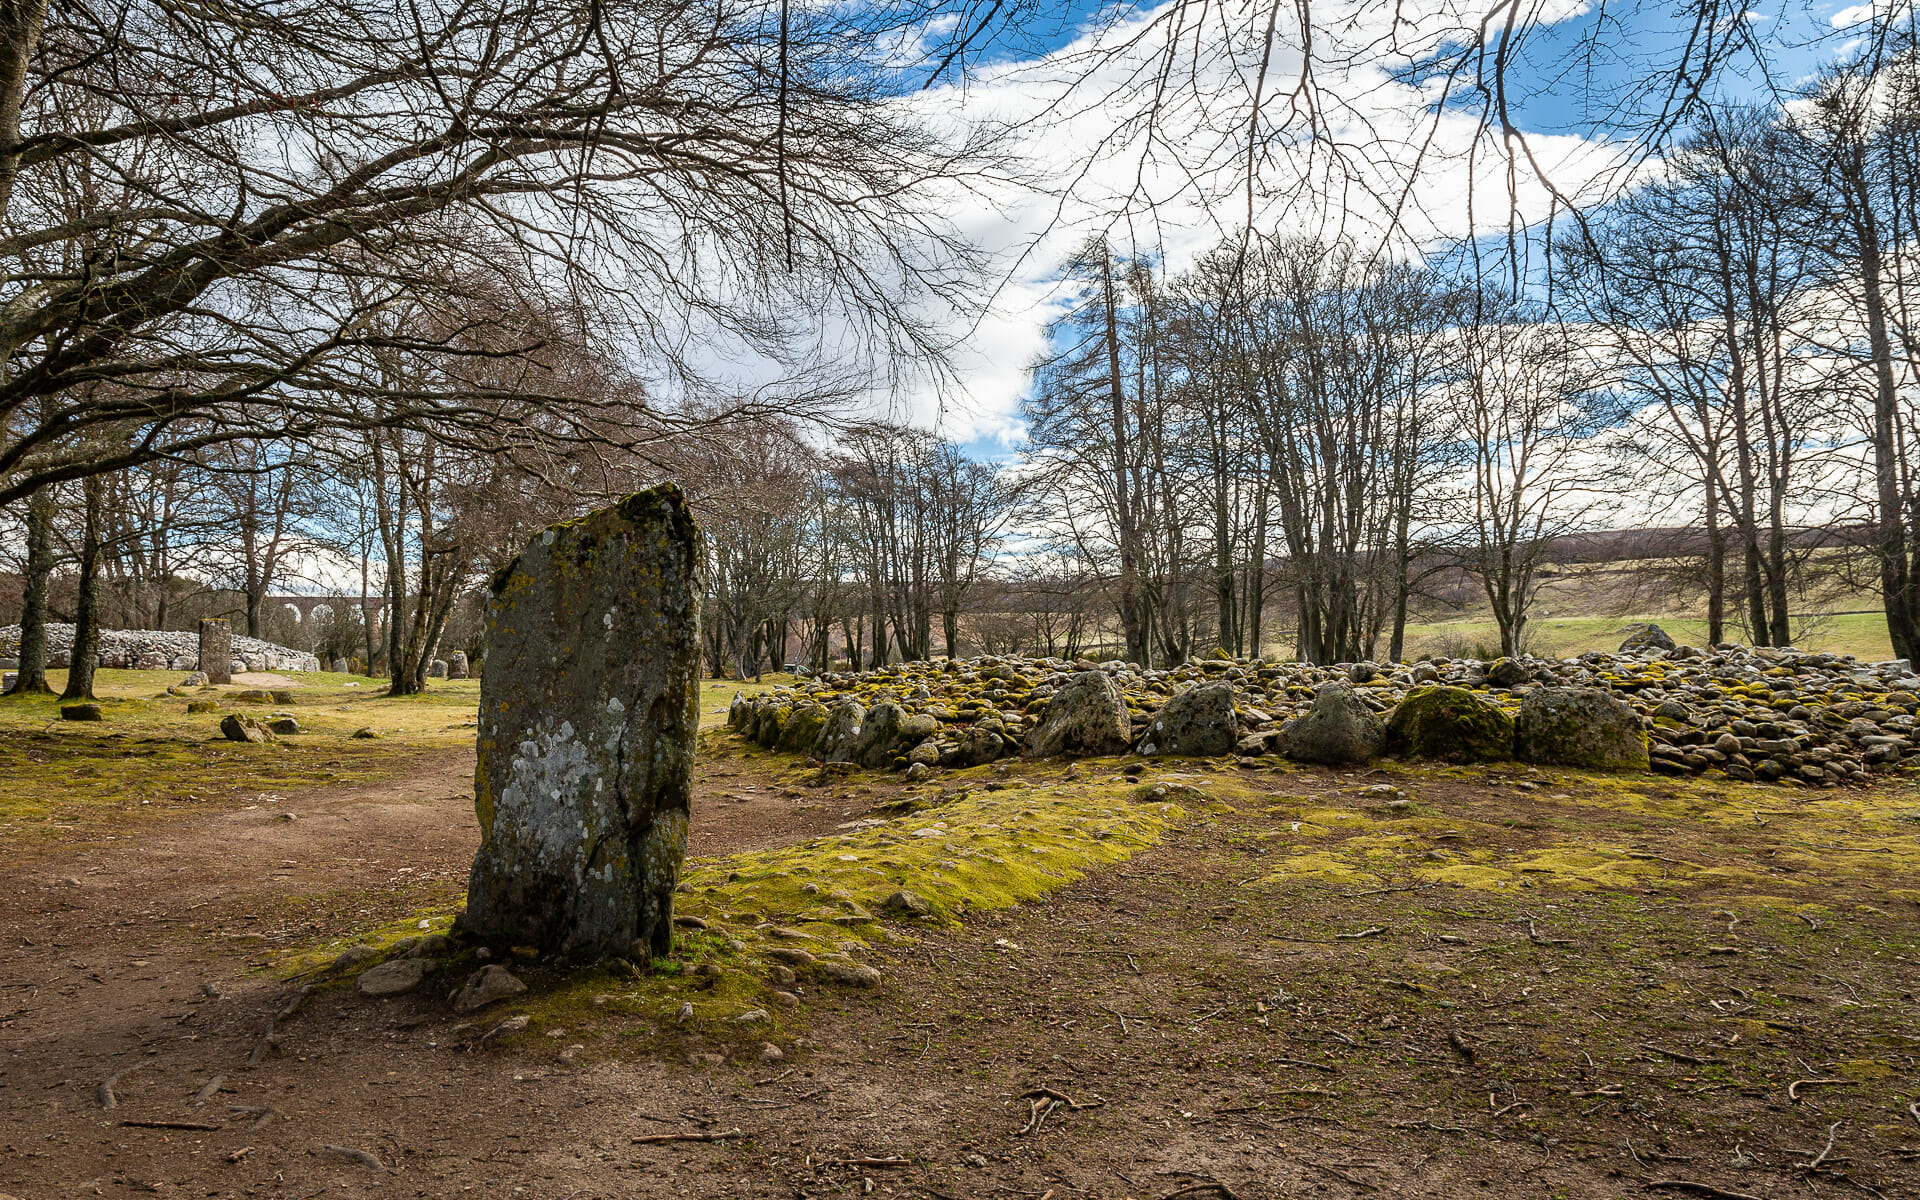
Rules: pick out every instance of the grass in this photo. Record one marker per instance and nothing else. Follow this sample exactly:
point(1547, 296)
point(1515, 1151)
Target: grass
point(1863, 635)
point(150, 756)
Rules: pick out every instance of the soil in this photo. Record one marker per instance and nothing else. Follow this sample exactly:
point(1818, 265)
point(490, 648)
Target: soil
point(1215, 1037)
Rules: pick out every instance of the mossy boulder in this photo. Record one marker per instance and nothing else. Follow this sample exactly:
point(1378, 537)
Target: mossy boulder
point(803, 728)
point(1449, 723)
point(1338, 729)
point(889, 732)
point(1085, 718)
point(1199, 722)
point(841, 732)
point(1580, 727)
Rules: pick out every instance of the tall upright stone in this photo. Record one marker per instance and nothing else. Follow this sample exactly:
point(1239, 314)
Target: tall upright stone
point(457, 665)
point(216, 649)
point(588, 711)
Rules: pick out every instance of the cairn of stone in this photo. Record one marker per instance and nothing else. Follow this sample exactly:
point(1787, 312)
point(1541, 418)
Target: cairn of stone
point(1776, 714)
point(216, 649)
point(588, 712)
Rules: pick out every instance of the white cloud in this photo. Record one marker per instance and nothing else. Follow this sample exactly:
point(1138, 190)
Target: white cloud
point(1358, 150)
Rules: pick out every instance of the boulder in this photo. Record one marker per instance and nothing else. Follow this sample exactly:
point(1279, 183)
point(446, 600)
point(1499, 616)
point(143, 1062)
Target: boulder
point(802, 729)
point(1580, 727)
point(1648, 637)
point(285, 725)
point(1508, 673)
point(1198, 723)
point(1084, 718)
point(1338, 729)
point(244, 729)
point(1449, 723)
point(392, 977)
point(489, 985)
point(589, 707)
point(437, 669)
point(889, 732)
point(841, 732)
point(906, 904)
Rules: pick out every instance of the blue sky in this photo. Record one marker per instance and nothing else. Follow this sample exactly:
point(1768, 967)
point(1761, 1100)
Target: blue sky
point(1562, 100)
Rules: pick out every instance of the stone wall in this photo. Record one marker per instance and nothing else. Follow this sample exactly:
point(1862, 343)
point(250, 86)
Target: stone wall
point(160, 650)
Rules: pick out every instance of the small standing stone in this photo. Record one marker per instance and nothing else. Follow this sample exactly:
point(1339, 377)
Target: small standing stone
point(457, 665)
point(216, 649)
point(587, 720)
point(437, 669)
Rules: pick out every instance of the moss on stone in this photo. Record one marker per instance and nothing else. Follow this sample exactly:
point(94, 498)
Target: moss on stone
point(1451, 724)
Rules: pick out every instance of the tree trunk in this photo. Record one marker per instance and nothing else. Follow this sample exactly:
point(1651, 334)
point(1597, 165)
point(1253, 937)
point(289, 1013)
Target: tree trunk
point(33, 607)
point(86, 616)
point(1716, 569)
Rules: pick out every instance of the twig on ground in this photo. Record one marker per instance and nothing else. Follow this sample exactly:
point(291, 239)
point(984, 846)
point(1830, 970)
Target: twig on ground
point(261, 1115)
point(1461, 1047)
point(104, 1093)
point(1205, 1185)
point(1364, 933)
point(1821, 1157)
point(1042, 1101)
point(197, 1126)
point(891, 1161)
point(776, 1079)
point(1301, 1062)
point(660, 1139)
point(1809, 920)
point(1675, 1054)
point(1123, 1017)
point(1341, 1175)
point(1698, 1189)
point(360, 1156)
point(1793, 1089)
point(1534, 935)
point(294, 1004)
point(208, 1090)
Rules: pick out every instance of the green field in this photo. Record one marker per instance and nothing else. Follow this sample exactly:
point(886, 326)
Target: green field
point(1863, 635)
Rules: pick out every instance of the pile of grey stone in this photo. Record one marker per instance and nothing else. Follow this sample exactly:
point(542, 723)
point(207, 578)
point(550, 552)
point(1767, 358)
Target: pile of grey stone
point(159, 650)
point(1756, 714)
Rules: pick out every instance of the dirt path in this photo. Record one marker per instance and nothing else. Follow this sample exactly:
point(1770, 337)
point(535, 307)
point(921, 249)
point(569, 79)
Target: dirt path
point(1211, 1029)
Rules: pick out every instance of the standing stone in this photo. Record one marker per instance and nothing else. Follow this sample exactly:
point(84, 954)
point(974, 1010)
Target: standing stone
point(457, 665)
point(437, 669)
point(587, 724)
point(339, 666)
point(216, 649)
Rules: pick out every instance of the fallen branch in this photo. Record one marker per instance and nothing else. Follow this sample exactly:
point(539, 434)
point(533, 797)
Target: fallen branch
point(893, 1161)
point(1364, 933)
point(1793, 1089)
point(1460, 1046)
point(360, 1156)
point(1207, 1185)
point(1824, 1151)
point(1534, 936)
point(104, 1093)
point(1698, 1189)
point(1042, 1102)
point(660, 1139)
point(196, 1126)
point(1675, 1054)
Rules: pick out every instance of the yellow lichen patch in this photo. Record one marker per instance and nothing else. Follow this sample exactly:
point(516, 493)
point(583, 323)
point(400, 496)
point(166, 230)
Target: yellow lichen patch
point(1581, 868)
point(988, 850)
point(1323, 866)
point(1476, 876)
